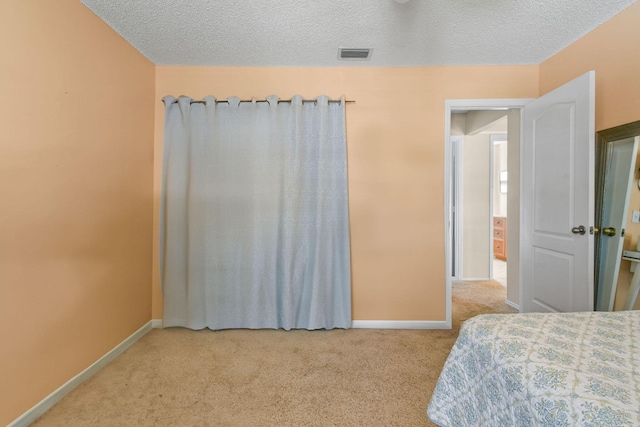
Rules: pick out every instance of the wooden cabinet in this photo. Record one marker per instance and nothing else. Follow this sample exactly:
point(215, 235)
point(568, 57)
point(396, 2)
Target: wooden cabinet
point(500, 237)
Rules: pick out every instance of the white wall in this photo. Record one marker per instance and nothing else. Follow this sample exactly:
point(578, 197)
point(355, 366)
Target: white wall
point(476, 207)
point(458, 123)
point(488, 121)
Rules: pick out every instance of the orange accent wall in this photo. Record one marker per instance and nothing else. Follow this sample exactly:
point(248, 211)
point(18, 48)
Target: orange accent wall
point(395, 138)
point(76, 182)
point(611, 50)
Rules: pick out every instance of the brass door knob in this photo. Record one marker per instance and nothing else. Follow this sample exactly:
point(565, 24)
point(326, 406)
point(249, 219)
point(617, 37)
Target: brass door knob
point(609, 231)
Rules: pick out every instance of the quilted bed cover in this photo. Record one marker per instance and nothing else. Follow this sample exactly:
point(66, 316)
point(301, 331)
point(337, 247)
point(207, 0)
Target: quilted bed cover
point(569, 369)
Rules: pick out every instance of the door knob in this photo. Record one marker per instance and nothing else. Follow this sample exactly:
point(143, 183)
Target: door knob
point(579, 230)
point(609, 231)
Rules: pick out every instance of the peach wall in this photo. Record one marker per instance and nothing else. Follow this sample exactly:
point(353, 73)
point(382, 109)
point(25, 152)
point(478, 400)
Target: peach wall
point(76, 170)
point(395, 137)
point(476, 218)
point(611, 50)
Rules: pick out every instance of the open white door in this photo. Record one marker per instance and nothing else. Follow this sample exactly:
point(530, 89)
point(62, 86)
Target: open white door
point(558, 199)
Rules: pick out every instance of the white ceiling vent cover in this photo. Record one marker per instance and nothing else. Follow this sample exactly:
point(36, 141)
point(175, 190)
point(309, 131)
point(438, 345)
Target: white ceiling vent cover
point(354, 54)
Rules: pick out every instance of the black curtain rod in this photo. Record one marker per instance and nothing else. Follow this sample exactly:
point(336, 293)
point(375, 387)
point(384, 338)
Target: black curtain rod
point(287, 101)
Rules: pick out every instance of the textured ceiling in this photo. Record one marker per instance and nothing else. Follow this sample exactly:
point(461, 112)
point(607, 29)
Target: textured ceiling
point(308, 33)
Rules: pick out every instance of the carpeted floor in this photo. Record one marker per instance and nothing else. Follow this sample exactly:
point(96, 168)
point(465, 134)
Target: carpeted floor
point(356, 377)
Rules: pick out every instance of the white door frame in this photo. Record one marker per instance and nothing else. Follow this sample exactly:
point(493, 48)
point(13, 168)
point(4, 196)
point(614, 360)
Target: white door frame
point(454, 220)
point(465, 104)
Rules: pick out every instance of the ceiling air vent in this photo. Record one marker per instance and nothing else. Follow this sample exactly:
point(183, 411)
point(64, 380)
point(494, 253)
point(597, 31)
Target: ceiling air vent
point(354, 54)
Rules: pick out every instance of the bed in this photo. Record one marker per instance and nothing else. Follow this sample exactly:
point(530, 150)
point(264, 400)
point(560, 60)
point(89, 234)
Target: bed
point(569, 369)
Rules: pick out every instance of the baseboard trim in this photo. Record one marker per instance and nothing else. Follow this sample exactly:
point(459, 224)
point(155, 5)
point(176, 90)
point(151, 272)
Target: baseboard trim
point(45, 404)
point(513, 305)
point(156, 323)
point(400, 324)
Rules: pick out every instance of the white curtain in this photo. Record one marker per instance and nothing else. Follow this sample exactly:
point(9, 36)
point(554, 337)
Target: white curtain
point(254, 229)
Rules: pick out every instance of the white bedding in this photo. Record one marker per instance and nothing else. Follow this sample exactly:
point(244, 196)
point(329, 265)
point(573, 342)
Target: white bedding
point(570, 369)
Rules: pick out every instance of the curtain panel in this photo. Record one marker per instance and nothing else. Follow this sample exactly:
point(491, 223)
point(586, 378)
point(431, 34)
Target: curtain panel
point(254, 229)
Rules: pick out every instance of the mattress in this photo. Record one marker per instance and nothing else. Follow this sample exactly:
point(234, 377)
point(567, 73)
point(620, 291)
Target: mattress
point(552, 369)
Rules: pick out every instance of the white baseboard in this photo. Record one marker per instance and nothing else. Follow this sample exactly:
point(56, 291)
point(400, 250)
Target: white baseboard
point(45, 404)
point(156, 323)
point(514, 305)
point(400, 324)
point(475, 279)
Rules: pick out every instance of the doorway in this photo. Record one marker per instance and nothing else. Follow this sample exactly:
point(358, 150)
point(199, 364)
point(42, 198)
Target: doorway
point(455, 204)
point(553, 205)
point(479, 195)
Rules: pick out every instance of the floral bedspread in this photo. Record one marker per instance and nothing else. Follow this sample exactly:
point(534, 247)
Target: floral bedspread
point(569, 369)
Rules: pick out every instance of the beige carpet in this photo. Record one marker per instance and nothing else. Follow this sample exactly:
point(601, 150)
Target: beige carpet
point(357, 377)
